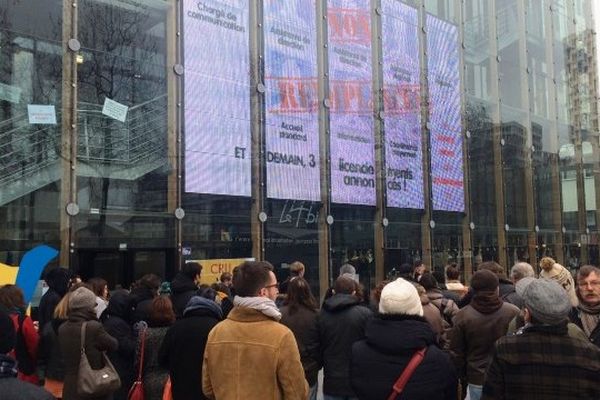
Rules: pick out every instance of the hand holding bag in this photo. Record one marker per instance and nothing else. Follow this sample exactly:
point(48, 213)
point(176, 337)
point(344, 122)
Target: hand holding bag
point(137, 389)
point(95, 382)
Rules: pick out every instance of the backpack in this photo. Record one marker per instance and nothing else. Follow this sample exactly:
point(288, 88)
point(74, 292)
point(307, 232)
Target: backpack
point(445, 311)
point(26, 363)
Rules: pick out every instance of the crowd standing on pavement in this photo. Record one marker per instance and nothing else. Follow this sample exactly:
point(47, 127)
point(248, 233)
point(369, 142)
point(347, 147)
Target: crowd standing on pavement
point(421, 335)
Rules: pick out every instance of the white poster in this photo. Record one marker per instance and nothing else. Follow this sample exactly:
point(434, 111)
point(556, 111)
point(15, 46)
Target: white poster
point(115, 110)
point(41, 114)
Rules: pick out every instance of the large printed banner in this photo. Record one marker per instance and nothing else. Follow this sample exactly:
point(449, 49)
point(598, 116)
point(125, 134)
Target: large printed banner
point(292, 127)
point(445, 117)
point(351, 116)
point(217, 97)
point(403, 146)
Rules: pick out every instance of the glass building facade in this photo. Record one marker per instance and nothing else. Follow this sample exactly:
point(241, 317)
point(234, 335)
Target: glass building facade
point(135, 134)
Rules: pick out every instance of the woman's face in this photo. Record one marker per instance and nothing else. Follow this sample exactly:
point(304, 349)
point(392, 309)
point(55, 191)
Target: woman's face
point(105, 292)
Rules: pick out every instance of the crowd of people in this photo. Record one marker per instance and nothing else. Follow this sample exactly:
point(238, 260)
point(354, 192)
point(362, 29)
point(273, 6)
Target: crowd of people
point(422, 335)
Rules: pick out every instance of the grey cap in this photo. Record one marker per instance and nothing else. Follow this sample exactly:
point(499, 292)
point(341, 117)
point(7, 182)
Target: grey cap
point(545, 299)
point(82, 298)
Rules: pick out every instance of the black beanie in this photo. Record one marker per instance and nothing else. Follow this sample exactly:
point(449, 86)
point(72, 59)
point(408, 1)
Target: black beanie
point(7, 333)
point(484, 280)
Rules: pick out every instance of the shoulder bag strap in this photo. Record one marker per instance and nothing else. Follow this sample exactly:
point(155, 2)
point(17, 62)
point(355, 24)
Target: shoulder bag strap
point(407, 373)
point(141, 365)
point(83, 325)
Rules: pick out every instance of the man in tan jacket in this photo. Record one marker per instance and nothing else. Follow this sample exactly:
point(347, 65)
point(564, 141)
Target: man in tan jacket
point(250, 355)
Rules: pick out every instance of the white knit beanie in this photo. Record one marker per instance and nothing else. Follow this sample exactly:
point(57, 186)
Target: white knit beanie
point(400, 297)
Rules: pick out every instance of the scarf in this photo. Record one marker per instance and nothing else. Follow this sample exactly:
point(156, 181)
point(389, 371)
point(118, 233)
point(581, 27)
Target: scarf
point(590, 317)
point(262, 304)
point(486, 302)
point(8, 367)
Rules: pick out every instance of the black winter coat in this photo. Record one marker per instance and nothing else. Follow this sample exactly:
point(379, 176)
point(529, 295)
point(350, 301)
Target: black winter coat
point(50, 363)
point(182, 290)
point(303, 323)
point(142, 303)
point(116, 322)
point(379, 359)
point(509, 294)
point(48, 303)
point(341, 322)
point(182, 351)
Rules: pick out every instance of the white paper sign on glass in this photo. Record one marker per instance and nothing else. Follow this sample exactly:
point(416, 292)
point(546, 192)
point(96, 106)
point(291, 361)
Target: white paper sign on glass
point(292, 127)
point(402, 105)
point(9, 93)
point(115, 110)
point(217, 97)
point(352, 147)
point(447, 175)
point(41, 114)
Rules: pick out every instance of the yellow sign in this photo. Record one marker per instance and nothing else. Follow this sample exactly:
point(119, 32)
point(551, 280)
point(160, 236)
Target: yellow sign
point(8, 274)
point(212, 269)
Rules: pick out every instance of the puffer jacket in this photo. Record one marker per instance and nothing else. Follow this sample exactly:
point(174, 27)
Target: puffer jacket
point(379, 359)
point(341, 322)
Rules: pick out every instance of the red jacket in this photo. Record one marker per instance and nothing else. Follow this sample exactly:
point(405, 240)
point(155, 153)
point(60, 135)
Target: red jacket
point(31, 341)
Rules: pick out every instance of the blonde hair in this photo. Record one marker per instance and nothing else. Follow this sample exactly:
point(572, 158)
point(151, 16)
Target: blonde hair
point(296, 267)
point(547, 263)
point(62, 308)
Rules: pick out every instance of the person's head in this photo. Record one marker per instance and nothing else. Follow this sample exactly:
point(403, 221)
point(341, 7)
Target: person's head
point(400, 297)
point(419, 268)
point(99, 287)
point(521, 270)
point(376, 293)
point(588, 285)
point(150, 282)
point(484, 281)
point(82, 299)
point(452, 272)
point(191, 269)
point(300, 295)
point(345, 285)
point(546, 263)
point(226, 279)
point(347, 269)
point(405, 271)
point(58, 279)
point(61, 311)
point(161, 312)
point(546, 302)
point(428, 281)
point(7, 333)
point(221, 287)
point(297, 269)
point(207, 292)
point(494, 267)
point(11, 298)
point(255, 279)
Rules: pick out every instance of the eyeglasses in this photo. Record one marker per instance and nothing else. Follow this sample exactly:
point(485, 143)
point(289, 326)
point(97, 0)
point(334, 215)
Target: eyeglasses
point(271, 286)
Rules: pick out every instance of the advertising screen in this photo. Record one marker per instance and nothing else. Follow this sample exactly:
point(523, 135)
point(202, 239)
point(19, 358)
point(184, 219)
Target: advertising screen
point(292, 103)
point(217, 97)
point(401, 96)
point(351, 112)
point(447, 177)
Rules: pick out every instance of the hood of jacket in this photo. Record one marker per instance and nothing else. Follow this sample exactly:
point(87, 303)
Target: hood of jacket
point(399, 334)
point(182, 283)
point(120, 305)
point(199, 306)
point(58, 280)
point(340, 302)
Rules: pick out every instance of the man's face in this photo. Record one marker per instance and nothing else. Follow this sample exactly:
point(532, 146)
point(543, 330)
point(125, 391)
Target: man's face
point(420, 270)
point(271, 290)
point(589, 289)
